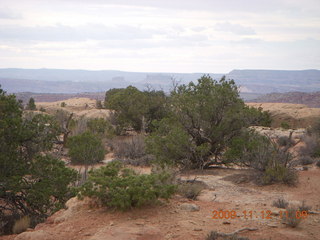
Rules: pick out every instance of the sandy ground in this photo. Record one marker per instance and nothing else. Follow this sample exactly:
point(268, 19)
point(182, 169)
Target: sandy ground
point(168, 221)
point(297, 115)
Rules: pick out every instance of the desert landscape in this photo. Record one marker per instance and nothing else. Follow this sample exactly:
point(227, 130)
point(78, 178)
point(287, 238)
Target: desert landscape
point(226, 189)
point(159, 120)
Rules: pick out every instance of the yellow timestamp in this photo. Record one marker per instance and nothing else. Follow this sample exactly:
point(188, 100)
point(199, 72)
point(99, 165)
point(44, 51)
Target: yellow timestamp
point(263, 214)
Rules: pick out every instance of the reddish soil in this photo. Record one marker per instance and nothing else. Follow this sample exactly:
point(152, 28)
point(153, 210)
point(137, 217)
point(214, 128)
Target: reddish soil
point(168, 221)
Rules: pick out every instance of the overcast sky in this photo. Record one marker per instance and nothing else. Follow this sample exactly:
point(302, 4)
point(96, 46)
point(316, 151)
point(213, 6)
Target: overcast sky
point(160, 35)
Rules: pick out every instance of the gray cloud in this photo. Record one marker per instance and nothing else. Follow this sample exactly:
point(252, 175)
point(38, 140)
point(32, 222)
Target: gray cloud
point(234, 28)
point(81, 33)
point(6, 13)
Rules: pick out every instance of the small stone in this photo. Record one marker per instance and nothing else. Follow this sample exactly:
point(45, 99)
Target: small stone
point(189, 207)
point(226, 222)
point(272, 225)
point(197, 229)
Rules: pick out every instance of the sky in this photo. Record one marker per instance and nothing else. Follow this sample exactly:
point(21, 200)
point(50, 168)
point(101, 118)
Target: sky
point(207, 36)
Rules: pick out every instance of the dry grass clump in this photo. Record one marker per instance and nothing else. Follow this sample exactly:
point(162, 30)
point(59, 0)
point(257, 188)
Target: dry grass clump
point(280, 203)
point(21, 225)
point(129, 149)
point(304, 207)
point(290, 217)
point(214, 235)
point(284, 141)
point(191, 190)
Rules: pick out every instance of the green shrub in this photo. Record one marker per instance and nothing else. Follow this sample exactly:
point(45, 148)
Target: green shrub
point(63, 104)
point(285, 125)
point(280, 203)
point(85, 148)
point(281, 174)
point(31, 105)
point(318, 163)
point(100, 127)
point(123, 189)
point(290, 218)
point(316, 153)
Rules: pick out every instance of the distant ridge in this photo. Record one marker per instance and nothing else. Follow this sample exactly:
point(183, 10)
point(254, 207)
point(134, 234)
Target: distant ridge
point(310, 99)
point(77, 81)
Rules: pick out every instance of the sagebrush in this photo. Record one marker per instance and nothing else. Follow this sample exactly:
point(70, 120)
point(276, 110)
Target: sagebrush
point(122, 188)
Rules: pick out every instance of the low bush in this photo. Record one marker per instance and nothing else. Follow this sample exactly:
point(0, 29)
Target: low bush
point(191, 190)
point(145, 160)
point(280, 203)
point(284, 125)
point(130, 149)
point(121, 188)
point(284, 141)
point(290, 218)
point(306, 160)
point(214, 235)
point(318, 163)
point(21, 225)
point(304, 207)
point(281, 174)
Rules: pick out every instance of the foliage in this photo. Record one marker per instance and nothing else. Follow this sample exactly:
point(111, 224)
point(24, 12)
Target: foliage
point(285, 125)
point(251, 149)
point(203, 119)
point(257, 117)
point(318, 163)
point(123, 189)
point(31, 183)
point(290, 218)
point(63, 104)
point(280, 173)
point(40, 132)
point(280, 203)
point(169, 143)
point(42, 109)
point(31, 105)
point(99, 104)
point(101, 127)
point(284, 141)
point(86, 149)
point(135, 108)
point(190, 190)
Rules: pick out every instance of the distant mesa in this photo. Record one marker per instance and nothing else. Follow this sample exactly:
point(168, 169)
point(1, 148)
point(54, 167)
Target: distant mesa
point(77, 81)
